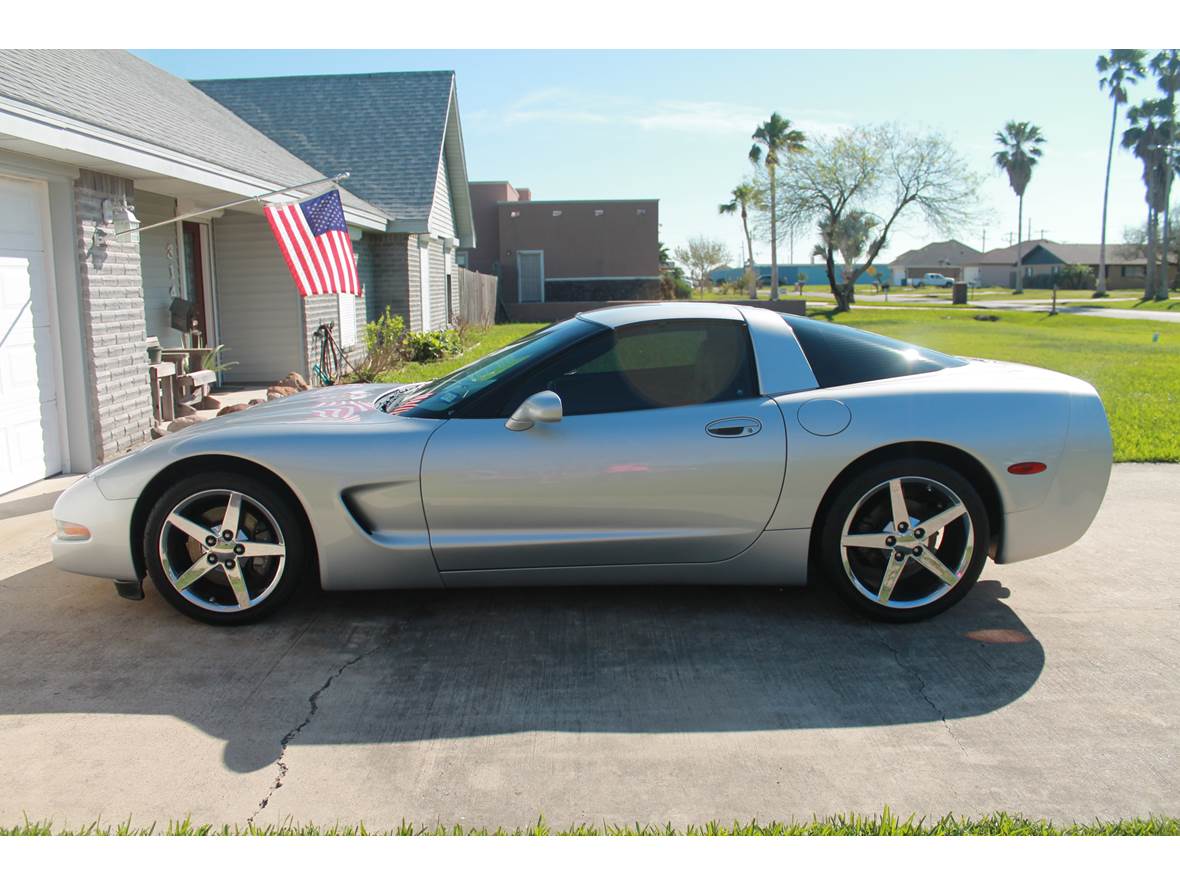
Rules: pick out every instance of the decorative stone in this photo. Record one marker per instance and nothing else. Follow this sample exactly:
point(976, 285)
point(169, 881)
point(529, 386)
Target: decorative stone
point(294, 379)
point(209, 403)
point(236, 407)
point(157, 431)
point(186, 421)
point(277, 392)
point(183, 411)
point(256, 401)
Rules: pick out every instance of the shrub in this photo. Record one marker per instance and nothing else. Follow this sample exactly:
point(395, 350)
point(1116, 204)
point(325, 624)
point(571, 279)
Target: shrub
point(674, 286)
point(383, 346)
point(423, 347)
point(1071, 276)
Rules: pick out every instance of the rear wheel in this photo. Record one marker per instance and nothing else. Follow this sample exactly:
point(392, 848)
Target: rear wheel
point(225, 548)
point(905, 540)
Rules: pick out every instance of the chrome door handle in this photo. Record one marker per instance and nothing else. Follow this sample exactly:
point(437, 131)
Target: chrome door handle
point(728, 428)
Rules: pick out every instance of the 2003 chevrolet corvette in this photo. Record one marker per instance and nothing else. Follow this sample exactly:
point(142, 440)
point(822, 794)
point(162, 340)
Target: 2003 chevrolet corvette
point(647, 444)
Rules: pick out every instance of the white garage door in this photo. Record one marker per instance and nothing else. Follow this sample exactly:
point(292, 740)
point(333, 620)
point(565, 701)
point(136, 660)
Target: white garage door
point(30, 441)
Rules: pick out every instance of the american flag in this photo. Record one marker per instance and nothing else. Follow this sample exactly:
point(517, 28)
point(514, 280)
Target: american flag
point(314, 240)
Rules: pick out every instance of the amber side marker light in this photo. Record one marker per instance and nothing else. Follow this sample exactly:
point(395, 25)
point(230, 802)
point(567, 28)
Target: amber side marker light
point(71, 531)
point(1027, 468)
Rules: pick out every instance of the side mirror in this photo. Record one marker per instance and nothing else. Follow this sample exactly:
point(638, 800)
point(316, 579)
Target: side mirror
point(544, 406)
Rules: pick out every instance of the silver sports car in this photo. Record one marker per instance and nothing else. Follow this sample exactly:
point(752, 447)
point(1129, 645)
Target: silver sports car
point(664, 443)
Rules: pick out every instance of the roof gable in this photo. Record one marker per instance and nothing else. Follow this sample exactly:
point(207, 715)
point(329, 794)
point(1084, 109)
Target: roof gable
point(389, 130)
point(118, 92)
point(950, 252)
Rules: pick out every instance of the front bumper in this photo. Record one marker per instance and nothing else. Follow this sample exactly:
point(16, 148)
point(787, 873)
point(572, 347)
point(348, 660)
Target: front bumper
point(107, 552)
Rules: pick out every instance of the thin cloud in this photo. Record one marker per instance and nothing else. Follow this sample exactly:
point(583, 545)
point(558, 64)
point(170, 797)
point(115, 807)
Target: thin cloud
point(555, 105)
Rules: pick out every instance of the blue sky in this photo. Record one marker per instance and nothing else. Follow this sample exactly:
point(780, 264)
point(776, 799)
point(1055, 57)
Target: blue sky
point(675, 125)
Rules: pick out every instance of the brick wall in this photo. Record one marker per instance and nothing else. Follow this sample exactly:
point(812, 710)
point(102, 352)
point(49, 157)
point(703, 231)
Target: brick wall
point(113, 331)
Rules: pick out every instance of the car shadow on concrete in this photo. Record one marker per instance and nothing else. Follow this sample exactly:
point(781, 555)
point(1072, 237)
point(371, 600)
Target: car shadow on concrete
point(343, 668)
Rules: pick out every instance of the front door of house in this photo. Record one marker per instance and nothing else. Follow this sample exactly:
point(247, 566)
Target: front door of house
point(530, 274)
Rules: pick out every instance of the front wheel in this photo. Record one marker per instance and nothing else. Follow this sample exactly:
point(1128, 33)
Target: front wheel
point(905, 540)
point(225, 548)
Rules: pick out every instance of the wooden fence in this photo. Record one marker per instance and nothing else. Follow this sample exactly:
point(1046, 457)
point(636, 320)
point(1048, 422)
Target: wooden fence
point(476, 297)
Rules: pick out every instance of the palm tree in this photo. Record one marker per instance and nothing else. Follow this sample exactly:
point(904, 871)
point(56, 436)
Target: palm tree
point(1149, 138)
point(1120, 69)
point(744, 196)
point(773, 140)
point(1021, 143)
point(1166, 67)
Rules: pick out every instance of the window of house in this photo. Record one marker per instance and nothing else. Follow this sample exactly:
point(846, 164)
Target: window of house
point(514, 213)
point(598, 212)
point(843, 355)
point(556, 213)
point(640, 211)
point(647, 366)
point(1134, 270)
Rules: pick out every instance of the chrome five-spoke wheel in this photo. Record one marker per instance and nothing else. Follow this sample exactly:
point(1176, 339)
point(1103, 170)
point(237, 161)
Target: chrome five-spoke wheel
point(906, 539)
point(224, 547)
point(222, 550)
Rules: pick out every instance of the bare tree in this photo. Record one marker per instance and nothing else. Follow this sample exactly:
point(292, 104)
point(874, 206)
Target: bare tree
point(700, 256)
point(880, 174)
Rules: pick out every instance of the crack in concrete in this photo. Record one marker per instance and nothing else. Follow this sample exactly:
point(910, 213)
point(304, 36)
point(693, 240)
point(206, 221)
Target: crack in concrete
point(313, 706)
point(920, 684)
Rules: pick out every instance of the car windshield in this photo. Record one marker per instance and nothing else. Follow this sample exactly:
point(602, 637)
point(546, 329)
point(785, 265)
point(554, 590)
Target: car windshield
point(438, 398)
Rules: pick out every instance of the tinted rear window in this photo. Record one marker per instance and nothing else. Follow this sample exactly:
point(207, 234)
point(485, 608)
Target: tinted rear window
point(844, 355)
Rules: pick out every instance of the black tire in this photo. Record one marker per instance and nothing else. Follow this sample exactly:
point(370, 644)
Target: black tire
point(965, 542)
point(263, 503)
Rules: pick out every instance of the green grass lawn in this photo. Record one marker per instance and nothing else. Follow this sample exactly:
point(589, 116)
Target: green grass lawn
point(1138, 378)
point(484, 341)
point(886, 824)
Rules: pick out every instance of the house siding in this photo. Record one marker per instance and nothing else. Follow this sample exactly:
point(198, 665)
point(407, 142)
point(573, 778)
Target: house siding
point(442, 212)
point(113, 328)
point(389, 262)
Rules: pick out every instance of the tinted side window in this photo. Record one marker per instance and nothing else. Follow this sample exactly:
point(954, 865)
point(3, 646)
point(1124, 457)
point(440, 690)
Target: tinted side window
point(649, 366)
point(843, 355)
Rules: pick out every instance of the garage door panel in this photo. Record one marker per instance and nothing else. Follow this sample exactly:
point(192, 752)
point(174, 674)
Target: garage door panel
point(20, 220)
point(30, 446)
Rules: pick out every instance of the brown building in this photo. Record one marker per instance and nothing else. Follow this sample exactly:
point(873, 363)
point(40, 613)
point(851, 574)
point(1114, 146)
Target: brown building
point(565, 250)
point(947, 257)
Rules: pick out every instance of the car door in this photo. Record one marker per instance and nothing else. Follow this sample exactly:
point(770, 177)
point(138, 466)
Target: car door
point(666, 452)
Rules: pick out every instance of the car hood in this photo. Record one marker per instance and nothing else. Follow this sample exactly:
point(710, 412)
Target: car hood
point(347, 404)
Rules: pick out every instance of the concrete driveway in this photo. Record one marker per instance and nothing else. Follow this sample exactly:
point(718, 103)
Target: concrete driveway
point(1051, 691)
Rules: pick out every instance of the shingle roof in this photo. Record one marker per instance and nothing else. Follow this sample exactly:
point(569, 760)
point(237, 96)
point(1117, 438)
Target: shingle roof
point(949, 252)
point(124, 94)
point(387, 129)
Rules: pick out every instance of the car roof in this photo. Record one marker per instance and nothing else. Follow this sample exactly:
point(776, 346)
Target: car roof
point(648, 311)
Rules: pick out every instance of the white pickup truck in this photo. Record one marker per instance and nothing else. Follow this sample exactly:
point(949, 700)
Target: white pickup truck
point(935, 279)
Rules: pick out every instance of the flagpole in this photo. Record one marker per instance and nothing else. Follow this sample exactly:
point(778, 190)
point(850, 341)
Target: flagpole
point(335, 179)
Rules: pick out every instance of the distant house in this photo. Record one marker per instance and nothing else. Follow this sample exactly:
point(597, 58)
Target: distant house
point(565, 250)
point(948, 258)
point(1125, 267)
point(398, 134)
